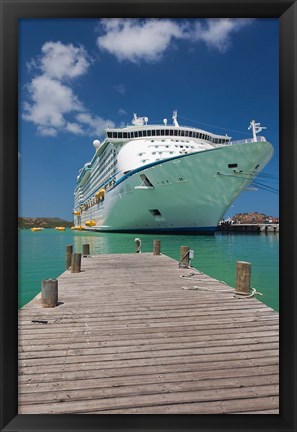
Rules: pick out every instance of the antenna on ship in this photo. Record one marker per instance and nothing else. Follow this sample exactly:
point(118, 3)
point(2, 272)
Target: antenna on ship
point(139, 121)
point(174, 118)
point(256, 129)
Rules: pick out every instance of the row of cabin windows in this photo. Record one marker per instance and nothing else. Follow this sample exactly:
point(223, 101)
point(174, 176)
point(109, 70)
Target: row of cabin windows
point(164, 151)
point(167, 132)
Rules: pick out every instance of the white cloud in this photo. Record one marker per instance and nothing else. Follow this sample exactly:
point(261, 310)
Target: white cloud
point(122, 112)
point(63, 61)
point(135, 40)
point(216, 33)
point(51, 100)
point(74, 128)
point(120, 88)
point(52, 104)
point(94, 124)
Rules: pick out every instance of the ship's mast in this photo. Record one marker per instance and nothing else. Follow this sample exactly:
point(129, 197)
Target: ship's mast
point(174, 118)
point(256, 128)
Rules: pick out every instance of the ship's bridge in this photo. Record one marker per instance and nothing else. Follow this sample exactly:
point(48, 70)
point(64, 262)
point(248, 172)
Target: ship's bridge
point(134, 132)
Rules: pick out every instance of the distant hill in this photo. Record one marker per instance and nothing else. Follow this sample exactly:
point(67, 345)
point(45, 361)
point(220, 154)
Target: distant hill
point(25, 222)
point(254, 218)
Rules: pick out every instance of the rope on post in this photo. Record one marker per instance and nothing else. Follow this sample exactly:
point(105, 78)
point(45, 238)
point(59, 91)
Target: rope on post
point(137, 245)
point(184, 261)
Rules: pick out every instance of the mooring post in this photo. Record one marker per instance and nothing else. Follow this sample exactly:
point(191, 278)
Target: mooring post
point(137, 245)
point(69, 251)
point(86, 250)
point(76, 263)
point(157, 247)
point(184, 256)
point(49, 293)
point(243, 278)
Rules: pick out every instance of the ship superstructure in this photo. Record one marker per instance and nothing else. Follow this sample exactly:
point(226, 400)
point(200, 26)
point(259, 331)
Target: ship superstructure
point(166, 178)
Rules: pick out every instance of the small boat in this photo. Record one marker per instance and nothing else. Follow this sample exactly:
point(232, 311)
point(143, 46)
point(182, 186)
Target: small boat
point(37, 229)
point(60, 228)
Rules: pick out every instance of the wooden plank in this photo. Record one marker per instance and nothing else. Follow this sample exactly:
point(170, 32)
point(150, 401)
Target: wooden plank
point(67, 406)
point(227, 331)
point(138, 389)
point(163, 377)
point(141, 346)
point(233, 406)
point(212, 367)
point(90, 356)
point(134, 341)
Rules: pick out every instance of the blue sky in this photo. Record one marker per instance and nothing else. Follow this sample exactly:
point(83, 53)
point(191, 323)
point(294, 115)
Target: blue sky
point(77, 76)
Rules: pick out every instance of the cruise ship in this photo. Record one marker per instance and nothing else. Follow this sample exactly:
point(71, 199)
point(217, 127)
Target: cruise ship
point(165, 178)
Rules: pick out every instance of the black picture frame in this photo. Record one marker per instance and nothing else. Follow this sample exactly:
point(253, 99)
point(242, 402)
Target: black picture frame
point(11, 11)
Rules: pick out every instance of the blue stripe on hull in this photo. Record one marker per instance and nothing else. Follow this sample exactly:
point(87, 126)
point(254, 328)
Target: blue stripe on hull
point(188, 230)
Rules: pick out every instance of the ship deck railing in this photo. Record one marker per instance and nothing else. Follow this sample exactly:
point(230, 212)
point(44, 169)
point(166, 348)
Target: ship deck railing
point(248, 140)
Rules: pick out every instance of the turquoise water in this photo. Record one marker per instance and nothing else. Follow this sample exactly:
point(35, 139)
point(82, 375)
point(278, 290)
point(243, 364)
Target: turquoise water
point(42, 256)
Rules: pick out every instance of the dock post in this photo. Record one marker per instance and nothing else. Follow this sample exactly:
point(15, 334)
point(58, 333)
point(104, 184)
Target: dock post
point(76, 263)
point(69, 251)
point(49, 293)
point(157, 247)
point(86, 250)
point(137, 245)
point(243, 278)
point(184, 256)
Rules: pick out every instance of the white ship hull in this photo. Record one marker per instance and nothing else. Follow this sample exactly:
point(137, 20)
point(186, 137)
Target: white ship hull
point(188, 193)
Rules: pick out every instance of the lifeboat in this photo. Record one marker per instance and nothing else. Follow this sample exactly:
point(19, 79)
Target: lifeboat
point(90, 223)
point(100, 194)
point(76, 213)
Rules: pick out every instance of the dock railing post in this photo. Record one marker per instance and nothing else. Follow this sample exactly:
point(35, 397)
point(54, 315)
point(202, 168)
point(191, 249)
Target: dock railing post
point(69, 251)
point(76, 263)
point(243, 278)
point(86, 250)
point(137, 245)
point(184, 257)
point(157, 247)
point(49, 293)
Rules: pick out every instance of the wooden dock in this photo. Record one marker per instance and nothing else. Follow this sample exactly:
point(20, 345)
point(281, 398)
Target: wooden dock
point(249, 228)
point(131, 335)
